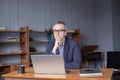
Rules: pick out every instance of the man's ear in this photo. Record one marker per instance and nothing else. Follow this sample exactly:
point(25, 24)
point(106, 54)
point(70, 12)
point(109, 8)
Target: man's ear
point(65, 33)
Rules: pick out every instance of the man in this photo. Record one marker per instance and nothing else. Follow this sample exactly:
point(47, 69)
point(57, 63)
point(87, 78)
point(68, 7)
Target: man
point(62, 45)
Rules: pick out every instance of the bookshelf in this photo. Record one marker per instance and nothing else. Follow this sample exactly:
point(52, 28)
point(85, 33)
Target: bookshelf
point(10, 56)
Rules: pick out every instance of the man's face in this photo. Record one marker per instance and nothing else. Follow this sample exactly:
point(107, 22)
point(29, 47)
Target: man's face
point(59, 32)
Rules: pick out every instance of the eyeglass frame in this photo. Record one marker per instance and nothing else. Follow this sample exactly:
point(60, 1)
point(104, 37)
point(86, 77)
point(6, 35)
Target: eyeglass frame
point(58, 31)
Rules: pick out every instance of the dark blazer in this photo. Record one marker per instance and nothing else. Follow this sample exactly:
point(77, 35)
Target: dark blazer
point(72, 54)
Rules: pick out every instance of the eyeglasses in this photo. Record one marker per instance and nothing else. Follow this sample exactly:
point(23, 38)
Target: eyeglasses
point(59, 31)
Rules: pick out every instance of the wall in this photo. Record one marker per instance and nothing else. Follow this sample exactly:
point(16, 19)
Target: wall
point(106, 22)
point(41, 14)
point(116, 24)
point(102, 20)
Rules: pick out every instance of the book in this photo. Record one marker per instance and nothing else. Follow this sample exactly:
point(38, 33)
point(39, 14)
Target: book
point(90, 72)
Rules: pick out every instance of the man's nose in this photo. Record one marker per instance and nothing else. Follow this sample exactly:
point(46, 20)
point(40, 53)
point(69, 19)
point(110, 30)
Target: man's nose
point(57, 32)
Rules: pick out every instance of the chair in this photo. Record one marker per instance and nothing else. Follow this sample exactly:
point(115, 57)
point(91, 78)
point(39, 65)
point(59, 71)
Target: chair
point(91, 55)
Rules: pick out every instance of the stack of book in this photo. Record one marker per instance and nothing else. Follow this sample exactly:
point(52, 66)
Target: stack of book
point(2, 28)
point(90, 72)
point(13, 39)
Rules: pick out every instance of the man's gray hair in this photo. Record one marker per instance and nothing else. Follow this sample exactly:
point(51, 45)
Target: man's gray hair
point(61, 22)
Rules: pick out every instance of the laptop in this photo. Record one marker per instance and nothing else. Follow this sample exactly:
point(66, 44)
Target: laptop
point(48, 64)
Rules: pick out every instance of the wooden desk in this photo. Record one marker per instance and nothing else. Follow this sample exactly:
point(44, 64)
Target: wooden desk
point(72, 75)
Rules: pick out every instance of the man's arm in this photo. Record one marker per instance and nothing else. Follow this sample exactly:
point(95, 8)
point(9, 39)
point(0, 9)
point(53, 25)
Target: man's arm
point(49, 47)
point(77, 58)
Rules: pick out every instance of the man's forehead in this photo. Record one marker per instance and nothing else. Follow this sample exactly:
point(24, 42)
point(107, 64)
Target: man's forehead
point(58, 26)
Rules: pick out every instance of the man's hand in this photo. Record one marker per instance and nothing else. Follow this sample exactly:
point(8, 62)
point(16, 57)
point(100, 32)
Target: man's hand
point(57, 45)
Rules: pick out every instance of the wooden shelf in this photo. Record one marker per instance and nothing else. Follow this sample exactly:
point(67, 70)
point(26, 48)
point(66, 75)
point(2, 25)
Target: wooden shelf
point(7, 54)
point(18, 31)
point(6, 65)
point(21, 42)
point(39, 41)
point(36, 31)
point(11, 41)
point(7, 68)
point(70, 31)
point(37, 52)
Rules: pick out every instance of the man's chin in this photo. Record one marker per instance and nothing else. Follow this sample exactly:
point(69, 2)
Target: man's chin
point(59, 39)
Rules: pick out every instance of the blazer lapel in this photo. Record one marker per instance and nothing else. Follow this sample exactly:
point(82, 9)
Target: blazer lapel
point(66, 47)
point(52, 45)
